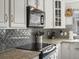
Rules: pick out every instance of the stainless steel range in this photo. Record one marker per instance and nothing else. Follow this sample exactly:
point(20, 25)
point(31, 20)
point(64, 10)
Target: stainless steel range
point(45, 49)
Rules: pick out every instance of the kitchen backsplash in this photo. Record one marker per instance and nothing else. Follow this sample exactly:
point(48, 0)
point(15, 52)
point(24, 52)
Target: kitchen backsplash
point(6, 40)
point(10, 38)
point(56, 34)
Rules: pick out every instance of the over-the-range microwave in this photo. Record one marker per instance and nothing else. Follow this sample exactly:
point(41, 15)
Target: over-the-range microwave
point(35, 17)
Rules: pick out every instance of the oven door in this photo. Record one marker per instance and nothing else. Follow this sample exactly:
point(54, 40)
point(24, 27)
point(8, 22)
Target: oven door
point(50, 55)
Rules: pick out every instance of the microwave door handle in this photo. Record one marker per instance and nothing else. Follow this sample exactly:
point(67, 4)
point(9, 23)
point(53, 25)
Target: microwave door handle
point(42, 20)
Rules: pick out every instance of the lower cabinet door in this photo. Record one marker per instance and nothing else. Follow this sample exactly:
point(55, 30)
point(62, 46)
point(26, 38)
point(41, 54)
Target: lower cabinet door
point(75, 51)
point(65, 50)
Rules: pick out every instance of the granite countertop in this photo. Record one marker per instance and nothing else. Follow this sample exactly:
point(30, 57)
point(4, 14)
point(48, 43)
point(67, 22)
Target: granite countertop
point(54, 41)
point(18, 54)
point(58, 41)
point(71, 41)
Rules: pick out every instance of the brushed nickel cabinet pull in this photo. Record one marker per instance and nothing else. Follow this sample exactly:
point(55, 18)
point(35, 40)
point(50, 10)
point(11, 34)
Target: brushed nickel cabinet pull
point(77, 48)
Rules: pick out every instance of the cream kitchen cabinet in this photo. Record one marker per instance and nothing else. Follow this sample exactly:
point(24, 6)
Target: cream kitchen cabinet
point(17, 13)
point(58, 51)
point(59, 14)
point(49, 14)
point(12, 14)
point(65, 50)
point(55, 17)
point(31, 3)
point(41, 5)
point(37, 4)
point(4, 13)
point(74, 50)
point(70, 50)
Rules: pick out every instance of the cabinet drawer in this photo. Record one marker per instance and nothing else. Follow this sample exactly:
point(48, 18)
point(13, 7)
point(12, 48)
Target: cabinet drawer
point(75, 45)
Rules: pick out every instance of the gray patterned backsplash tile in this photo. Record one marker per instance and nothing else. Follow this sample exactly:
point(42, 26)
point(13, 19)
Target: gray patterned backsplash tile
point(2, 33)
point(7, 39)
point(56, 34)
point(19, 32)
point(7, 42)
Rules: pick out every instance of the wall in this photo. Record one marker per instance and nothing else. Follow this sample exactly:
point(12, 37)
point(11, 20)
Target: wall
point(74, 5)
point(71, 0)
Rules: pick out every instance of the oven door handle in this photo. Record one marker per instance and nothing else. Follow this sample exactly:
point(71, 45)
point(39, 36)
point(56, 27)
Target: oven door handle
point(48, 51)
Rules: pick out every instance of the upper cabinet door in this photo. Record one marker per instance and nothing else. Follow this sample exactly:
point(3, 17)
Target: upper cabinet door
point(18, 14)
point(48, 14)
point(59, 17)
point(37, 4)
point(32, 3)
point(54, 12)
point(41, 5)
point(4, 13)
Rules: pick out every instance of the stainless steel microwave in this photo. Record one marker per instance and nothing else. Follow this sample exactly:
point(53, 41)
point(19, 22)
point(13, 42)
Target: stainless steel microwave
point(35, 17)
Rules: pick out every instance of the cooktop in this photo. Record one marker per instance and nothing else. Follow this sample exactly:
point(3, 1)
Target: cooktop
point(33, 46)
